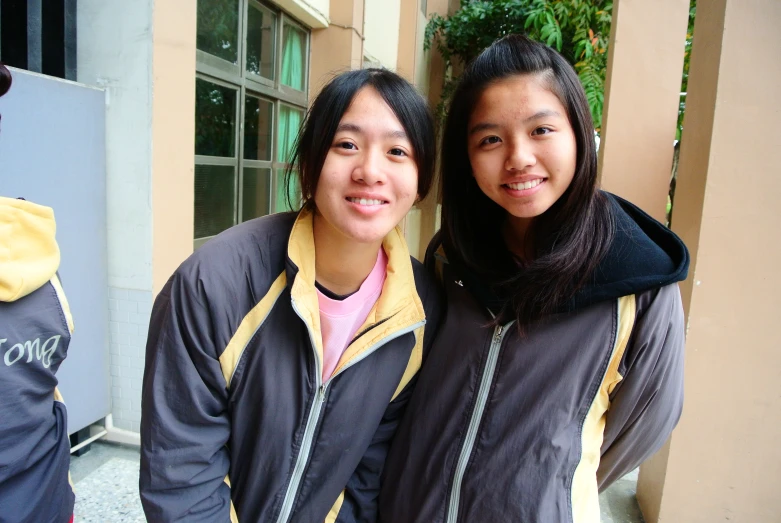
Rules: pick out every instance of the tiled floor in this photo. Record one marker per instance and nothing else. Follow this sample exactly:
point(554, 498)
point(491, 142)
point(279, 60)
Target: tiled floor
point(106, 484)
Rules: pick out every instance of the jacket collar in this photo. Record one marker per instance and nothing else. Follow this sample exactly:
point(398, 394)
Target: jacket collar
point(397, 306)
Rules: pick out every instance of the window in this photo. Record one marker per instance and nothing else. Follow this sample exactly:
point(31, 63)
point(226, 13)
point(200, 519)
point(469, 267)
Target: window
point(40, 36)
point(251, 95)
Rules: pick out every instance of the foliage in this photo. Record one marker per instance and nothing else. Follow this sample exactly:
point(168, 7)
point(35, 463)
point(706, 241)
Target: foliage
point(686, 57)
point(578, 29)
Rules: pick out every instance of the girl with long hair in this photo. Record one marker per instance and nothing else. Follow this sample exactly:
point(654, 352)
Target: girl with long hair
point(559, 364)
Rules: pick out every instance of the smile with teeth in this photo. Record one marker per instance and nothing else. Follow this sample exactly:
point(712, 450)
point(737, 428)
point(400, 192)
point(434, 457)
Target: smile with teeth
point(365, 201)
point(525, 185)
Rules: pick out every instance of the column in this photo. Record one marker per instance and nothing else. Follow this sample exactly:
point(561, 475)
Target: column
point(642, 89)
point(724, 456)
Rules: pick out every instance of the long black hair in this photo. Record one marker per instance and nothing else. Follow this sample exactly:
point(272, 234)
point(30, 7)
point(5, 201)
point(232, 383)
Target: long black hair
point(569, 239)
point(317, 132)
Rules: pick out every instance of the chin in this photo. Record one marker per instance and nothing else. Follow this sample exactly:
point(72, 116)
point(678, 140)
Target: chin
point(373, 235)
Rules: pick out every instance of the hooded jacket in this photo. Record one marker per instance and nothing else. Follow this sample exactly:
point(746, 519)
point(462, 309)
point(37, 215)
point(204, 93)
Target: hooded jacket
point(508, 429)
point(35, 330)
point(237, 423)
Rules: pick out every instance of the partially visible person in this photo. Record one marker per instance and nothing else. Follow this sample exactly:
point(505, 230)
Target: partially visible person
point(282, 353)
point(35, 331)
point(559, 366)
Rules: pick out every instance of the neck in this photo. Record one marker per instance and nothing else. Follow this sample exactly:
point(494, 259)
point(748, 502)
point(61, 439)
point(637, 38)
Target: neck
point(518, 237)
point(341, 264)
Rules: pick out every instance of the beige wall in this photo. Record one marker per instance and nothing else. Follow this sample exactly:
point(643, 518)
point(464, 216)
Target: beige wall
point(313, 13)
point(641, 100)
point(339, 47)
point(422, 58)
point(382, 31)
point(173, 136)
point(724, 456)
point(409, 13)
point(433, 81)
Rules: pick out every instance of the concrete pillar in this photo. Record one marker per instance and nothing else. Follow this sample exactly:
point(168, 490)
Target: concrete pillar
point(724, 457)
point(428, 218)
point(408, 39)
point(642, 90)
point(339, 47)
point(173, 136)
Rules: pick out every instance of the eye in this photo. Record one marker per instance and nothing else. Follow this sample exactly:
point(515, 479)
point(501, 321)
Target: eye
point(490, 140)
point(397, 152)
point(539, 131)
point(345, 145)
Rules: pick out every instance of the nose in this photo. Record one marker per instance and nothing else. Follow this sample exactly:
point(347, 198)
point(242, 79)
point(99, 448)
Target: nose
point(369, 169)
point(520, 156)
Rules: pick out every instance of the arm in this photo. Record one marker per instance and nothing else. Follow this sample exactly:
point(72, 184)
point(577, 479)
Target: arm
point(646, 405)
point(184, 424)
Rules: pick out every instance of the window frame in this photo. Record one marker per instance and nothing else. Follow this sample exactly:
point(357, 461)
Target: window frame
point(236, 76)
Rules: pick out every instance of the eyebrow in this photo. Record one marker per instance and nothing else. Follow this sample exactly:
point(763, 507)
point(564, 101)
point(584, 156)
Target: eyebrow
point(351, 127)
point(484, 126)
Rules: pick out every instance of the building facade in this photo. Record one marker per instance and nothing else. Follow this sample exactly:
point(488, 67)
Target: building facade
point(203, 101)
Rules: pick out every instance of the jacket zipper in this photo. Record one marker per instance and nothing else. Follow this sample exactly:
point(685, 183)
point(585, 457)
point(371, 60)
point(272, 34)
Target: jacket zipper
point(474, 422)
point(314, 414)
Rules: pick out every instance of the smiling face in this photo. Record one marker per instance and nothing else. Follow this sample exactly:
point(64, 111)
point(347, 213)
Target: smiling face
point(369, 179)
point(521, 147)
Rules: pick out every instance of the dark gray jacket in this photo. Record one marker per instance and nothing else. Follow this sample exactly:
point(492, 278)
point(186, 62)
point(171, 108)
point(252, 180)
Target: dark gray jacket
point(237, 423)
point(35, 331)
point(508, 429)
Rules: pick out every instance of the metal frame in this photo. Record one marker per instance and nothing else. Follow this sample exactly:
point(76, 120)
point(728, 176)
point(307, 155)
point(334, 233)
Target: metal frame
point(221, 72)
point(71, 32)
point(34, 36)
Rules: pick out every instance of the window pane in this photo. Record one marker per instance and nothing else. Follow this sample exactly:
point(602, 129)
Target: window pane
point(293, 57)
point(257, 193)
point(218, 28)
point(214, 199)
point(257, 128)
point(287, 131)
point(261, 37)
point(281, 203)
point(215, 119)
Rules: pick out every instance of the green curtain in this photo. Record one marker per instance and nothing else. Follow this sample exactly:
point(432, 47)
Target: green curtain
point(289, 123)
point(289, 117)
point(293, 58)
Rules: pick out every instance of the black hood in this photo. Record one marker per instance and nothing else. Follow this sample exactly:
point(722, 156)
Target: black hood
point(644, 255)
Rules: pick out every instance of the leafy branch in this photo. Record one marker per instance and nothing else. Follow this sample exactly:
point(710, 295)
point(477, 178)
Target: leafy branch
point(578, 29)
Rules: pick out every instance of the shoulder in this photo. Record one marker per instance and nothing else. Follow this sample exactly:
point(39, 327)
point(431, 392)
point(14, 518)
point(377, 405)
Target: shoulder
point(658, 331)
point(661, 305)
point(252, 252)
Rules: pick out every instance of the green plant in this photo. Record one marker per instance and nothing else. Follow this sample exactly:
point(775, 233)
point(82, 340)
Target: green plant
point(578, 29)
point(686, 57)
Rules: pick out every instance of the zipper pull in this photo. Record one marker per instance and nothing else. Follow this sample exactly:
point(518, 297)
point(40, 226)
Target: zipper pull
point(322, 393)
point(498, 334)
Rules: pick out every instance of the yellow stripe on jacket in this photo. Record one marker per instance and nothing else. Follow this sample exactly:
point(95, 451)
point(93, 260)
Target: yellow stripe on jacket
point(585, 492)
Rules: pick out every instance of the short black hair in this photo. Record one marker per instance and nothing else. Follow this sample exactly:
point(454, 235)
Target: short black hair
point(323, 117)
point(5, 79)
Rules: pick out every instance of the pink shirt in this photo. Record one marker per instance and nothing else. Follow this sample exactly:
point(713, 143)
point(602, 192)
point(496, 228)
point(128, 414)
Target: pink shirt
point(341, 319)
